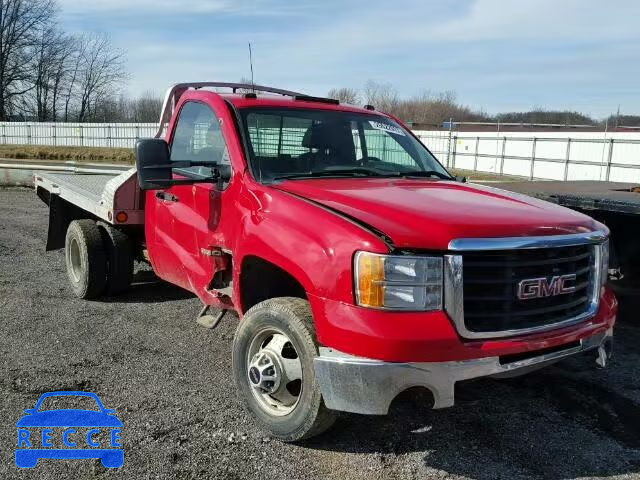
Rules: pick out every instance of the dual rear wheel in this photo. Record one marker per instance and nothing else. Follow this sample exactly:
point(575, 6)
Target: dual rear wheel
point(99, 259)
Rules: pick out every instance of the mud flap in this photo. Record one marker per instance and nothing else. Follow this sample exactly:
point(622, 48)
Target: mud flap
point(58, 223)
point(61, 214)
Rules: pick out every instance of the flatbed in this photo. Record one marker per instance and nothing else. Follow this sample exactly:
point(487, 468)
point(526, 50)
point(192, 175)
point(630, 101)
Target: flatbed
point(585, 195)
point(108, 197)
point(616, 204)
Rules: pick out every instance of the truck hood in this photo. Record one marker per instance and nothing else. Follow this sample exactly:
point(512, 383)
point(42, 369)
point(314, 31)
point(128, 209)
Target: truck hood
point(422, 213)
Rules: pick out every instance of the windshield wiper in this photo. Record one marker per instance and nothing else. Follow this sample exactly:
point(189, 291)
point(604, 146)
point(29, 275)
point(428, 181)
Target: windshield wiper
point(346, 172)
point(363, 172)
point(426, 173)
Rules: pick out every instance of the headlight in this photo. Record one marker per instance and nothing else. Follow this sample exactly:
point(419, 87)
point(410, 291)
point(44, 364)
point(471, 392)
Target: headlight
point(398, 282)
point(604, 262)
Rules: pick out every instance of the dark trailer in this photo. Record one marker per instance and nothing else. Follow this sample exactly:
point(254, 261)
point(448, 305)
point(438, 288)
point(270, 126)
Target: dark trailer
point(617, 205)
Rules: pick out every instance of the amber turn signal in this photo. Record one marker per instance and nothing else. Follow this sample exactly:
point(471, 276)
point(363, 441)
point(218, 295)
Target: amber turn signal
point(370, 279)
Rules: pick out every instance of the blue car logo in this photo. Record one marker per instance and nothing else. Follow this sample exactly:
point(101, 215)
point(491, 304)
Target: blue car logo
point(69, 433)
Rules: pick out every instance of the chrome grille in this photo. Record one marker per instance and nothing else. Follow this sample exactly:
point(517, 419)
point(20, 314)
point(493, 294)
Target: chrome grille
point(482, 274)
point(490, 287)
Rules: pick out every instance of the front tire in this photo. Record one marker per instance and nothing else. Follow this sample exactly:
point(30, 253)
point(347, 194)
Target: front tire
point(273, 352)
point(86, 259)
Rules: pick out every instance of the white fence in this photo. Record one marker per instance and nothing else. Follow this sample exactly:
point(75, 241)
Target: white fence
point(547, 155)
point(75, 134)
point(611, 156)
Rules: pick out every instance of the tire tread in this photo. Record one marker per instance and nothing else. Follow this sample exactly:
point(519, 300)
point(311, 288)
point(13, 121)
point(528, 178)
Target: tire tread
point(90, 241)
point(297, 311)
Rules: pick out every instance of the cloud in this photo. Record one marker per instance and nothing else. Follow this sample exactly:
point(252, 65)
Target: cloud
point(155, 8)
point(544, 20)
point(492, 52)
point(152, 6)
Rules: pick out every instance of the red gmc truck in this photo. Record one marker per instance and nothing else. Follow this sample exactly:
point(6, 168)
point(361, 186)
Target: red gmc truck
point(358, 265)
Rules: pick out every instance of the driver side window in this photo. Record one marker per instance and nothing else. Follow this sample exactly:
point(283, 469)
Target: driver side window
point(198, 137)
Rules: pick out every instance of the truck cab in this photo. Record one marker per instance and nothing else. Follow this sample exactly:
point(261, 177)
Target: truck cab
point(358, 265)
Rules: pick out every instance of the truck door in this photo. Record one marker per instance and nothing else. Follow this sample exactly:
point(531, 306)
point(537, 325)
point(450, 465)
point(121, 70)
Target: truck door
point(186, 243)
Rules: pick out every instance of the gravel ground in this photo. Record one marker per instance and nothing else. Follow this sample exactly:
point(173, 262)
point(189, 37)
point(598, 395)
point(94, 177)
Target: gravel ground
point(170, 383)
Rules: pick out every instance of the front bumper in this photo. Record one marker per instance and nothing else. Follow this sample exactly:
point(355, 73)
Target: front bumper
point(362, 385)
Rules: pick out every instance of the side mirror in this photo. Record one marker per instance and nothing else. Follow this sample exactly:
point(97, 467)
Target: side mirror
point(29, 411)
point(153, 163)
point(224, 172)
point(461, 179)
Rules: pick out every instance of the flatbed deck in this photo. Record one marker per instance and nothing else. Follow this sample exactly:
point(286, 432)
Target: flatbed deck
point(586, 195)
point(102, 195)
point(89, 187)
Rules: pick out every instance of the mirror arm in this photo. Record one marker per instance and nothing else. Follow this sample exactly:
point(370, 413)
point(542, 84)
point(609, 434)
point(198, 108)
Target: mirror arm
point(182, 164)
point(162, 183)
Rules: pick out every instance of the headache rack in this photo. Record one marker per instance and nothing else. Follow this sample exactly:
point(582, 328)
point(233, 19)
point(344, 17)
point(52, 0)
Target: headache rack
point(174, 92)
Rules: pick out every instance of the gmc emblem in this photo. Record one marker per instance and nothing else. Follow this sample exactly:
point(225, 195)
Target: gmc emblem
point(545, 287)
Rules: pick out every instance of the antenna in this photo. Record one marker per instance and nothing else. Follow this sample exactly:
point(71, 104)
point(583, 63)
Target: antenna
point(251, 64)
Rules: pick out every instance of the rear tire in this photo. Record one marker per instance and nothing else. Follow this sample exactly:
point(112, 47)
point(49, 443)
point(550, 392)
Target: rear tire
point(302, 413)
point(86, 259)
point(119, 259)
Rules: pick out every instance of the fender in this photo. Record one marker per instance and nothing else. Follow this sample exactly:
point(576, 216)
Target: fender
point(313, 244)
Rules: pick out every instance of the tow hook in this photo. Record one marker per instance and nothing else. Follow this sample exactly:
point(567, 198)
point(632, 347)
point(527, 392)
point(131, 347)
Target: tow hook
point(604, 352)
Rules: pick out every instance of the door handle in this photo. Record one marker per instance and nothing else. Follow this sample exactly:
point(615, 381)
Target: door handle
point(166, 196)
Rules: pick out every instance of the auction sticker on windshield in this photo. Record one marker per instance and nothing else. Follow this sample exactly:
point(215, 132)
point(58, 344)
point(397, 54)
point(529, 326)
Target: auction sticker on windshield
point(385, 127)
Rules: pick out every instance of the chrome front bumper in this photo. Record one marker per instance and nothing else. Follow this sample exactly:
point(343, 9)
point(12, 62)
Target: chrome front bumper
point(362, 385)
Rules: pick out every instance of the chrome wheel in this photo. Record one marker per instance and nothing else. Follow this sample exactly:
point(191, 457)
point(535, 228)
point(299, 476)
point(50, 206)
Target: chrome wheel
point(75, 260)
point(274, 372)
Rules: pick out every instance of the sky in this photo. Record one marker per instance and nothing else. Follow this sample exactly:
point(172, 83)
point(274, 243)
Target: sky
point(496, 55)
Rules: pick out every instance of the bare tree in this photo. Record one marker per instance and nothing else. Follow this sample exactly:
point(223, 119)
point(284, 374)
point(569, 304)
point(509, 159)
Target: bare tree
point(345, 95)
point(62, 66)
point(100, 74)
point(540, 115)
point(50, 55)
point(426, 108)
point(20, 21)
point(383, 96)
point(71, 82)
point(146, 108)
point(143, 109)
point(46, 74)
point(435, 109)
point(624, 120)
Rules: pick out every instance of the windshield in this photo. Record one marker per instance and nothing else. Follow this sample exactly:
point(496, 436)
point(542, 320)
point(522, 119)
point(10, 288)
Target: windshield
point(304, 143)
